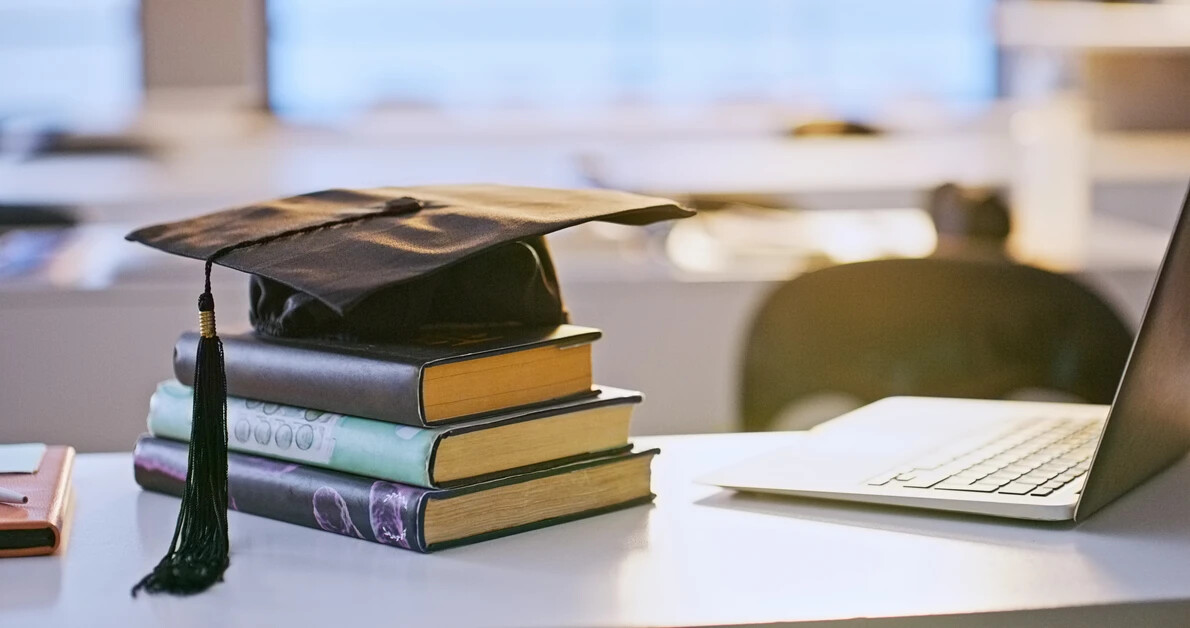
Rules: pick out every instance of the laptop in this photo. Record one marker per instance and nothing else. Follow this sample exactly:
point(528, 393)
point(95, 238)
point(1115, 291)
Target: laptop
point(1018, 459)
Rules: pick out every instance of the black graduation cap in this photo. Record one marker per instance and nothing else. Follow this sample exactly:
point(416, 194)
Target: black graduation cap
point(363, 265)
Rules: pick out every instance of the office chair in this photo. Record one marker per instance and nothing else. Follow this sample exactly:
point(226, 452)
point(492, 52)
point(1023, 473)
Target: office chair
point(929, 327)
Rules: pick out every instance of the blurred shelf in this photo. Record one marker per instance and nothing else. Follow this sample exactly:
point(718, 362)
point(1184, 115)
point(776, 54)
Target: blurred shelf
point(1069, 25)
point(879, 163)
point(782, 166)
point(193, 175)
point(1141, 156)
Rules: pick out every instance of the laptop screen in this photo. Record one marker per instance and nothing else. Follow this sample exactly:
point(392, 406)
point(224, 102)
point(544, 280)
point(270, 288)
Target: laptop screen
point(1149, 424)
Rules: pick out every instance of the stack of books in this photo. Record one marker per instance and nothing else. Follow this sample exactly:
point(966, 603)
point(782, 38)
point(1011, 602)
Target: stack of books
point(451, 438)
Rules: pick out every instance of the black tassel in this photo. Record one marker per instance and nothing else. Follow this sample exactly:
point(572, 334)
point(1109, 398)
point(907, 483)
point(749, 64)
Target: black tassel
point(198, 553)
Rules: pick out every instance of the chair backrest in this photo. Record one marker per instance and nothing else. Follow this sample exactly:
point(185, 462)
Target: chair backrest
point(929, 327)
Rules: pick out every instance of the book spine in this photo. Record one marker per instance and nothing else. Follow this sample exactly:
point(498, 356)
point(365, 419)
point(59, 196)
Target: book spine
point(398, 453)
point(357, 385)
point(363, 508)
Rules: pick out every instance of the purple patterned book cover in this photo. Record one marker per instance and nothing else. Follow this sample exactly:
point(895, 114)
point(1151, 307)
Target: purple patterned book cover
point(350, 505)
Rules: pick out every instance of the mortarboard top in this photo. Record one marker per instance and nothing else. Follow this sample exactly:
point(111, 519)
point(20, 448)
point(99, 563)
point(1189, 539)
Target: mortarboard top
point(364, 265)
point(380, 263)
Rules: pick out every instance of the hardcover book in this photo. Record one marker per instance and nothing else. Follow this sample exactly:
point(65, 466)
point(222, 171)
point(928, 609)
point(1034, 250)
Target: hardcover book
point(440, 376)
point(36, 527)
point(434, 456)
point(405, 516)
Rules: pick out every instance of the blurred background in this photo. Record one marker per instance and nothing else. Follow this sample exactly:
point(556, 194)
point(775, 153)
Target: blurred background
point(812, 133)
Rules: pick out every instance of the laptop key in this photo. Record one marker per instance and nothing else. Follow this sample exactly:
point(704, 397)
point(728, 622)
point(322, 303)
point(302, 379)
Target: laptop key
point(883, 479)
point(1018, 488)
point(978, 487)
point(1001, 477)
point(925, 480)
point(1042, 492)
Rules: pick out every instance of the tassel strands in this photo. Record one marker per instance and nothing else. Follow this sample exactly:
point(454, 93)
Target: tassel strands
point(198, 554)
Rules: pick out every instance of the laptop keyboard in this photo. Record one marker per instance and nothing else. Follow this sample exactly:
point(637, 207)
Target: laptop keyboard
point(1036, 459)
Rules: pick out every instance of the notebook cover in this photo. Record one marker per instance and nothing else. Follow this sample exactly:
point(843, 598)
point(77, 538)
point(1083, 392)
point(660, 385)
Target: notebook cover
point(36, 527)
point(350, 505)
point(378, 381)
point(350, 444)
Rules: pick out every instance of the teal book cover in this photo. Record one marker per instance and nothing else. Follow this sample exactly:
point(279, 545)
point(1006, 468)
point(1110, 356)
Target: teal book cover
point(371, 448)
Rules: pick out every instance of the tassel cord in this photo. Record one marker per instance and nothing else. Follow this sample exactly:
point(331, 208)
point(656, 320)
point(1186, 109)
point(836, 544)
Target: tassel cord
point(198, 553)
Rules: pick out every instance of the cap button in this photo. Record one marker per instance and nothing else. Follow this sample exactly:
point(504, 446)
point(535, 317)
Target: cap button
point(403, 204)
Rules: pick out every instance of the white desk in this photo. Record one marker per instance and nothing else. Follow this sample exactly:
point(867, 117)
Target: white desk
point(699, 556)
